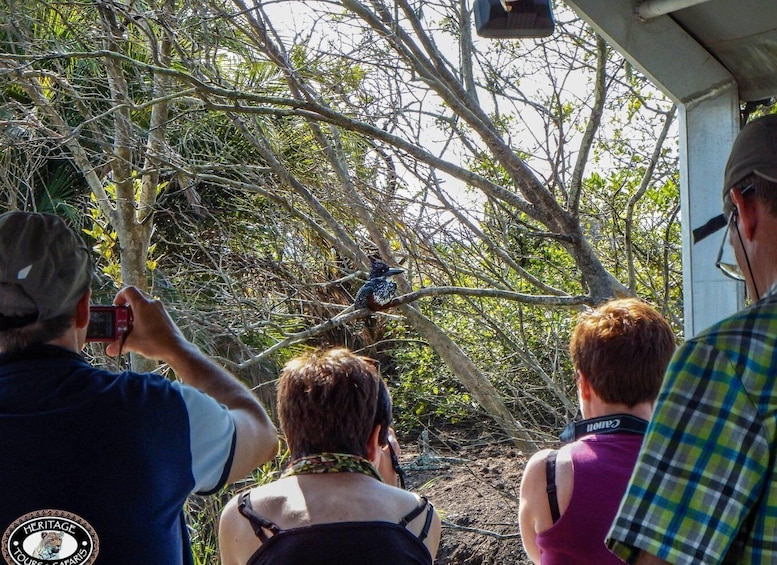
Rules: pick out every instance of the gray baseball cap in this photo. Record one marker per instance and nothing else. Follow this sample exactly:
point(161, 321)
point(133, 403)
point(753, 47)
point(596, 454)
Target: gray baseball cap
point(754, 152)
point(45, 268)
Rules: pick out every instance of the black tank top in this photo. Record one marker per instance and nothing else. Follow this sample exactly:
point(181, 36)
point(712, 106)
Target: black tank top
point(373, 543)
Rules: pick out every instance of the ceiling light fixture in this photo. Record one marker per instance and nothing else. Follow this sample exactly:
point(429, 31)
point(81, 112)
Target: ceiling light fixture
point(511, 19)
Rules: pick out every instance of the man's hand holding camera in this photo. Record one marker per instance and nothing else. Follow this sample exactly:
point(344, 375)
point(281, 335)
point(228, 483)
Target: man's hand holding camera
point(154, 335)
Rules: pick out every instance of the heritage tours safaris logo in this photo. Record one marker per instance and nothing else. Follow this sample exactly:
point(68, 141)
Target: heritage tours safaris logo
point(50, 536)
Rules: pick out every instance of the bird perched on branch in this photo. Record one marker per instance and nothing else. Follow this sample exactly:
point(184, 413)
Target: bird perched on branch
point(379, 290)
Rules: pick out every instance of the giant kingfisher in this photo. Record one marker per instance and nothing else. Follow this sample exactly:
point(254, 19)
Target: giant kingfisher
point(378, 291)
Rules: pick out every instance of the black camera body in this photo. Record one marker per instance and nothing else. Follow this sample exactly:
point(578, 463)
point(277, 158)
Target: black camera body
point(108, 323)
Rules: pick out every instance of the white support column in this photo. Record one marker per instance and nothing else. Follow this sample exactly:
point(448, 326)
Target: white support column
point(707, 130)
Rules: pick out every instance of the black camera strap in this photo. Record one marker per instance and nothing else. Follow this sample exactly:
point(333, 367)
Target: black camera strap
point(610, 424)
point(401, 475)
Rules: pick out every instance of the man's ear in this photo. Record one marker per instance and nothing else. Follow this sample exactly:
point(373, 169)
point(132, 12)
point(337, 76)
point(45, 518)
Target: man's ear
point(747, 213)
point(584, 386)
point(82, 310)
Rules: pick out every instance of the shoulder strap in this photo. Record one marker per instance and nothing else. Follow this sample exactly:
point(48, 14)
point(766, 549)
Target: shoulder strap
point(258, 523)
point(428, 523)
point(550, 478)
point(413, 514)
point(422, 505)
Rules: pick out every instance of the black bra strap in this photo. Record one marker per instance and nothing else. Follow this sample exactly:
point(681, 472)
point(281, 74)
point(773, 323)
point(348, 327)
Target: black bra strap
point(415, 512)
point(550, 478)
point(428, 523)
point(258, 523)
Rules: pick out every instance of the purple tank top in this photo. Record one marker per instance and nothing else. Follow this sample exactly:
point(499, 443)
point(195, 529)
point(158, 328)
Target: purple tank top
point(602, 466)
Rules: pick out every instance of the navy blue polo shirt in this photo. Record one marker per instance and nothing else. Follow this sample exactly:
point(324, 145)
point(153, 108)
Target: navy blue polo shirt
point(86, 453)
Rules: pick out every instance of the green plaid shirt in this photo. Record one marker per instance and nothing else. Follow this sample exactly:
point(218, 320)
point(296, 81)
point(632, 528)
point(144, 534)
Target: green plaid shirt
point(706, 471)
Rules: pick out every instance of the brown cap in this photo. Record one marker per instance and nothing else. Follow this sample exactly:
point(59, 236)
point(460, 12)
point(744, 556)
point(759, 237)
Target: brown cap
point(45, 267)
point(754, 151)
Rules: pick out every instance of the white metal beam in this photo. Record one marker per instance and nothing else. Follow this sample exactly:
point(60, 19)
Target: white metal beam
point(650, 9)
point(659, 48)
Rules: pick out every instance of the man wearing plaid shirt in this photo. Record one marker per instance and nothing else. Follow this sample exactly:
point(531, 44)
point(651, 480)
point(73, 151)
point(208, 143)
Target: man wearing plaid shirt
point(704, 489)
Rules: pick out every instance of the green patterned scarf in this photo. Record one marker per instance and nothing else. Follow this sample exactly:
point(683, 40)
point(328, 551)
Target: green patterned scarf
point(332, 463)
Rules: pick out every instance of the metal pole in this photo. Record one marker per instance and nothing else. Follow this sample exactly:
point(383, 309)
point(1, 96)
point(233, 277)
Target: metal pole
point(653, 8)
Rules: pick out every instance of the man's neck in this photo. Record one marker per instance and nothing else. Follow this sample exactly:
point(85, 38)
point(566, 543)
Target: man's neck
point(69, 340)
point(597, 409)
point(771, 290)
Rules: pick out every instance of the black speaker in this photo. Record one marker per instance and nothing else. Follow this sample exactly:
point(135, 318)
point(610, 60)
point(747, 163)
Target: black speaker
point(523, 18)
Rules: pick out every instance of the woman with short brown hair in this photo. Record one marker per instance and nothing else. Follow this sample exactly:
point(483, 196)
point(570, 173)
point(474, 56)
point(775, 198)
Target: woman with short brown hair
point(331, 505)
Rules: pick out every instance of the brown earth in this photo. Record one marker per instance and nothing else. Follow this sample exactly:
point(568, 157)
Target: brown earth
point(474, 486)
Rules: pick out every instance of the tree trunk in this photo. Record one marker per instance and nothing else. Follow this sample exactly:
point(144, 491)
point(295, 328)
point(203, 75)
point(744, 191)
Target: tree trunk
point(473, 380)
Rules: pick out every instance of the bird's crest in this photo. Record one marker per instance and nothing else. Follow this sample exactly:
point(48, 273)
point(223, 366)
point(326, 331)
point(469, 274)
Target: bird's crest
point(379, 269)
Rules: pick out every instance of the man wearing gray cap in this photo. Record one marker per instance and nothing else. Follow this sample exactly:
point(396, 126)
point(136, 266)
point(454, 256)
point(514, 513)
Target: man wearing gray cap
point(95, 466)
point(704, 489)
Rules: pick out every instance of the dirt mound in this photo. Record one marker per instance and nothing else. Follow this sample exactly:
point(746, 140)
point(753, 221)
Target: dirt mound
point(475, 490)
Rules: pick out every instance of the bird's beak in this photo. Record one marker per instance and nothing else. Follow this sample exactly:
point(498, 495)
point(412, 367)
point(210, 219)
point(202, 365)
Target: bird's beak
point(394, 271)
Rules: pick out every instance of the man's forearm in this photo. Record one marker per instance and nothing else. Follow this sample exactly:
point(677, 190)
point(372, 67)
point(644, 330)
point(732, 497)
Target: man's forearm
point(156, 336)
point(194, 368)
point(257, 440)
